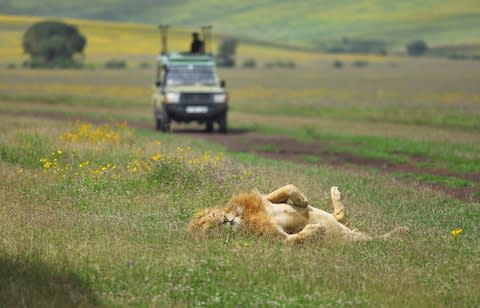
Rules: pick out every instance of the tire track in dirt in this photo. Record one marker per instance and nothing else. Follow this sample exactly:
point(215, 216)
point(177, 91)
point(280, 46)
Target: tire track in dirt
point(289, 149)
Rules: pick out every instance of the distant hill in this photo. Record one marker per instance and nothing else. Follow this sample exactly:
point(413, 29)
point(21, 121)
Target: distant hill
point(316, 24)
point(138, 44)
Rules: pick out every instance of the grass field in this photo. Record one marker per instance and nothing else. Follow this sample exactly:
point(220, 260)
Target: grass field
point(96, 214)
point(393, 110)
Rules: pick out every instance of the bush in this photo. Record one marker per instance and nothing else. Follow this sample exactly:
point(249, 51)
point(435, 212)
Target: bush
point(456, 56)
point(281, 64)
point(348, 45)
point(337, 64)
point(11, 66)
point(249, 63)
point(90, 66)
point(116, 64)
point(360, 63)
point(226, 52)
point(226, 62)
point(59, 62)
point(417, 48)
point(144, 65)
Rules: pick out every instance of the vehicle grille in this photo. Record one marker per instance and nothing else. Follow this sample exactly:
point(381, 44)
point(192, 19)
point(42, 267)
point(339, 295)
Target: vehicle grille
point(196, 98)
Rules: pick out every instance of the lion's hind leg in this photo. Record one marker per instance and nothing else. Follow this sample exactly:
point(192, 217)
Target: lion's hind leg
point(310, 232)
point(340, 212)
point(288, 192)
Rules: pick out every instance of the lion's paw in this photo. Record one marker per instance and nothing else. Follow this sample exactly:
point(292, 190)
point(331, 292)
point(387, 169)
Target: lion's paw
point(311, 232)
point(335, 193)
point(301, 201)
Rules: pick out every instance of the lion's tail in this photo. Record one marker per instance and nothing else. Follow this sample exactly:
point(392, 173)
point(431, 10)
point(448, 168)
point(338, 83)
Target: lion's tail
point(395, 232)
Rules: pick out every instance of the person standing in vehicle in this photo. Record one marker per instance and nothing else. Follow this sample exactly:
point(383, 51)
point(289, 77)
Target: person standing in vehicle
point(197, 44)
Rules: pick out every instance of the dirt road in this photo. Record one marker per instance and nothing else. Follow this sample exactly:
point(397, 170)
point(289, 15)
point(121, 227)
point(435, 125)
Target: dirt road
point(288, 149)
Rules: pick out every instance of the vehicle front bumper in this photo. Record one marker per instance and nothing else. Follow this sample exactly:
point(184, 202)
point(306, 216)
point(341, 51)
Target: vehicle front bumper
point(195, 112)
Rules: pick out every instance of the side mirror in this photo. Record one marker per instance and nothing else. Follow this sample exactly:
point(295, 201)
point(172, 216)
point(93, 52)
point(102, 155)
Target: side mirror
point(223, 83)
point(158, 83)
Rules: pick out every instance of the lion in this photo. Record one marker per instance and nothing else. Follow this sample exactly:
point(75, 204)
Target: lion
point(284, 214)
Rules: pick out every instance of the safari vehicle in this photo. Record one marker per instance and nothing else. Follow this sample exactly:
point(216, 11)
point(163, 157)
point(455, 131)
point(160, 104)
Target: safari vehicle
point(187, 89)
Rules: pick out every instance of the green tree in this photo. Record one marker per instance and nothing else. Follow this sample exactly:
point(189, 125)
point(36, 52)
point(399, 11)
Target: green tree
point(226, 52)
point(53, 44)
point(417, 48)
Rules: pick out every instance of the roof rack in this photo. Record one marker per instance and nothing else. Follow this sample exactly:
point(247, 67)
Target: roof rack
point(175, 58)
point(206, 35)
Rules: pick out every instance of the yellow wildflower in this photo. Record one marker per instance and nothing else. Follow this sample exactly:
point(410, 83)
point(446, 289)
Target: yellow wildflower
point(456, 232)
point(155, 157)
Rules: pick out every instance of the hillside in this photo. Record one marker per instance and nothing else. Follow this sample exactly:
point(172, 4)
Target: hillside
point(139, 43)
point(312, 23)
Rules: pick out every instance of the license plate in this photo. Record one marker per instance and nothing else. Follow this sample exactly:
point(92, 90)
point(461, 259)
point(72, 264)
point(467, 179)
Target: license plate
point(196, 109)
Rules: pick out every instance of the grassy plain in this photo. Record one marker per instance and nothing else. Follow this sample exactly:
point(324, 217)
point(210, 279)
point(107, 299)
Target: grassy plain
point(395, 110)
point(97, 215)
point(104, 221)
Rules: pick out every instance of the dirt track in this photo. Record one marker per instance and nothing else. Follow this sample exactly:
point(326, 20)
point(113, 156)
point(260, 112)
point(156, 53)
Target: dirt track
point(288, 149)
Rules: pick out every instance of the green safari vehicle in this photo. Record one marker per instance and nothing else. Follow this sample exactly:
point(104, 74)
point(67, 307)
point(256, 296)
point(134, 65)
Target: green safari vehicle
point(187, 89)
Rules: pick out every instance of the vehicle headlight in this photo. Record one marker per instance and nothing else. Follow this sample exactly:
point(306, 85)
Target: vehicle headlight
point(172, 97)
point(220, 98)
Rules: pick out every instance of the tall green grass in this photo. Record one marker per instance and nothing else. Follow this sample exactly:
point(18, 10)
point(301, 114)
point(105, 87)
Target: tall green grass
point(83, 234)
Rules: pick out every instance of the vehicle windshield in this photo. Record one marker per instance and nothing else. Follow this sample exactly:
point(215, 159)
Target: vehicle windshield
point(189, 74)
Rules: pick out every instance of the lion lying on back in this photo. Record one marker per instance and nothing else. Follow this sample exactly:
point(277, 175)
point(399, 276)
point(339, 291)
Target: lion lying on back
point(271, 215)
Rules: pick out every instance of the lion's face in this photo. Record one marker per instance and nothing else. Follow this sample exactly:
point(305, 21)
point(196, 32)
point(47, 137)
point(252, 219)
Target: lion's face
point(233, 217)
point(211, 219)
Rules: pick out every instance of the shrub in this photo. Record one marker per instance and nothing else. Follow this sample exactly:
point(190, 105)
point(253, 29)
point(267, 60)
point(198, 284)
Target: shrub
point(417, 48)
point(337, 64)
point(116, 64)
point(11, 66)
point(281, 64)
point(249, 63)
point(59, 62)
point(226, 52)
point(348, 45)
point(144, 65)
point(90, 66)
point(360, 63)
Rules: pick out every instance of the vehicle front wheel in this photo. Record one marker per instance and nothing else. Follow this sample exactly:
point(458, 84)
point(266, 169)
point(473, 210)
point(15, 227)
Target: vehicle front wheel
point(209, 127)
point(162, 124)
point(222, 124)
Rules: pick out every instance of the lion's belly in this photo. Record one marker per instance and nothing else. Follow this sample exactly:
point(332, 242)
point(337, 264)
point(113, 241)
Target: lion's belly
point(294, 219)
point(290, 219)
point(327, 220)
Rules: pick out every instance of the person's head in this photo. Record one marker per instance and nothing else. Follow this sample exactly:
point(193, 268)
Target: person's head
point(195, 35)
